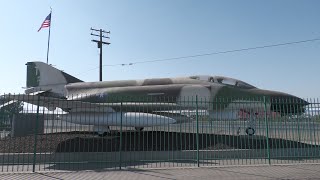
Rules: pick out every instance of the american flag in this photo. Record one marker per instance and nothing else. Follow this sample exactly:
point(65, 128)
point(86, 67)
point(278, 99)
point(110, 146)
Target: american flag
point(46, 22)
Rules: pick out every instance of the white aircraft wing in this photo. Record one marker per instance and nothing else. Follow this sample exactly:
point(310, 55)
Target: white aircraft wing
point(7, 103)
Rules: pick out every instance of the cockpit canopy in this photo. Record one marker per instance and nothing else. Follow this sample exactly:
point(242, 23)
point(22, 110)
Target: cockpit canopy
point(224, 80)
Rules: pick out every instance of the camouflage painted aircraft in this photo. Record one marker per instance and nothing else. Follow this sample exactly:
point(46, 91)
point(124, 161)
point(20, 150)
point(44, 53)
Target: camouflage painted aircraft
point(149, 102)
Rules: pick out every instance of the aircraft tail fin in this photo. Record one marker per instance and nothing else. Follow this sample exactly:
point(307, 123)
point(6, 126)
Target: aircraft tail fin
point(44, 77)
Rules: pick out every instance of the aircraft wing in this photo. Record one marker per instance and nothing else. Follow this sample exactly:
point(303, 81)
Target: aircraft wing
point(80, 106)
point(7, 103)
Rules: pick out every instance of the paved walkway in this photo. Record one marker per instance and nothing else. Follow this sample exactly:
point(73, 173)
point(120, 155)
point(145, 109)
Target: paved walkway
point(224, 173)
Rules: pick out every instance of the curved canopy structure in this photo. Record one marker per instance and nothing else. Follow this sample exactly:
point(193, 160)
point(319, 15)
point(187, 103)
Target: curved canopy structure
point(224, 80)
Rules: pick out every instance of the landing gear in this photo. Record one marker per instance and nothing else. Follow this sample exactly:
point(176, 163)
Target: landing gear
point(102, 130)
point(103, 134)
point(252, 124)
point(139, 129)
point(239, 131)
point(250, 131)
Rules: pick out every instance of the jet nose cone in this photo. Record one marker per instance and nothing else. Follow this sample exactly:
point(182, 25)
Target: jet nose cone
point(288, 104)
point(283, 103)
point(277, 96)
point(289, 99)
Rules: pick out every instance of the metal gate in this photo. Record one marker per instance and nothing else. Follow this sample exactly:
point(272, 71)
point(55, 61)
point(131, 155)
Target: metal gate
point(205, 133)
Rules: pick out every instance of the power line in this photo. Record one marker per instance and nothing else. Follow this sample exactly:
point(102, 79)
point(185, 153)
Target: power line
point(228, 51)
point(209, 54)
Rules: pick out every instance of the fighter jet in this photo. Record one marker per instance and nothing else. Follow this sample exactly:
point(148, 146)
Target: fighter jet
point(149, 102)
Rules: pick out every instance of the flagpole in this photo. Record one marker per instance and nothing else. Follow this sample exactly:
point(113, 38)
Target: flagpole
point(49, 36)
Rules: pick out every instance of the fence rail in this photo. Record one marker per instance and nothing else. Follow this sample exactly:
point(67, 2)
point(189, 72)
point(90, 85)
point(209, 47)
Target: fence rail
point(40, 133)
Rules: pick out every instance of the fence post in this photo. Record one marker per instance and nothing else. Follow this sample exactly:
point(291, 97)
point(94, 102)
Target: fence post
point(267, 128)
point(36, 138)
point(120, 145)
point(295, 111)
point(197, 136)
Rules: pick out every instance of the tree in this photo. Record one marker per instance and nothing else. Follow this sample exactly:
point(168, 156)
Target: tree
point(7, 112)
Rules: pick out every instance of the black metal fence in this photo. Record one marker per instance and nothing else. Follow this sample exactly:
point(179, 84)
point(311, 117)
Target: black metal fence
point(45, 134)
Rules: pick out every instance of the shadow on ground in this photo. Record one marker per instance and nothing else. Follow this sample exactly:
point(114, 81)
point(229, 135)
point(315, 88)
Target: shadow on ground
point(171, 141)
point(103, 166)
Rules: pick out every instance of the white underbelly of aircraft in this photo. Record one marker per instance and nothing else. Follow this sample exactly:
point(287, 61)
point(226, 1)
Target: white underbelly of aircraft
point(127, 119)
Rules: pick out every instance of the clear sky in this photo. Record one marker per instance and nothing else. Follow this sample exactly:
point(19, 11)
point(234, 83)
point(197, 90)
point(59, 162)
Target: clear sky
point(148, 30)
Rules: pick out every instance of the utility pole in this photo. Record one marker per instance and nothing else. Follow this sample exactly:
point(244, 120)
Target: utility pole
point(100, 43)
